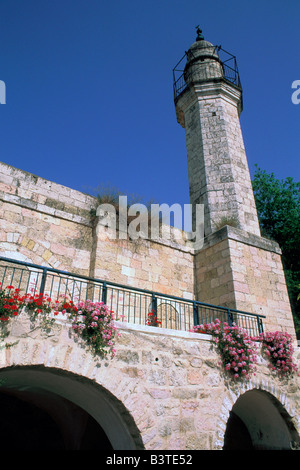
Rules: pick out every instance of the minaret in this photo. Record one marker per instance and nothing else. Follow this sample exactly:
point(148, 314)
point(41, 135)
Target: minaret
point(236, 267)
point(208, 106)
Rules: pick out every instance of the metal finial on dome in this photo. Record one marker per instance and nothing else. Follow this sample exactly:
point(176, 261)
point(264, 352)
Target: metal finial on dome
point(200, 36)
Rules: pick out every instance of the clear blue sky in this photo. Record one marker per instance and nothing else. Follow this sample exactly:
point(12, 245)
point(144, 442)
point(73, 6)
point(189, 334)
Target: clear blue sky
point(89, 88)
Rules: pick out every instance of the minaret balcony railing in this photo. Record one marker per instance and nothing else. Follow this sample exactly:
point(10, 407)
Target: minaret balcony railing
point(229, 66)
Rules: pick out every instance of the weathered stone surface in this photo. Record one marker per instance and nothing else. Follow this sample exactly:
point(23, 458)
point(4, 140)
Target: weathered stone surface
point(235, 268)
point(173, 409)
point(209, 111)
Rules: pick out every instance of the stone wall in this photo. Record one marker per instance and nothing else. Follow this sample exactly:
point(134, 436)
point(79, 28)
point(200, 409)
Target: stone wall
point(243, 271)
point(48, 224)
point(161, 267)
point(219, 176)
point(44, 222)
point(259, 281)
point(170, 383)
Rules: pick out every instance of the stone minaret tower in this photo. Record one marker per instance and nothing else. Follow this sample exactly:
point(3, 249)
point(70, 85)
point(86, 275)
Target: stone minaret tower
point(236, 267)
point(208, 106)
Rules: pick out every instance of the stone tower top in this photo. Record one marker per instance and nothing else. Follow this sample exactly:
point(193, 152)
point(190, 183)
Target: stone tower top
point(203, 62)
point(208, 102)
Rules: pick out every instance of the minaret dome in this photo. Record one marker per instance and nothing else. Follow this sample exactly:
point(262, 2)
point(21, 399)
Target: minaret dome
point(202, 62)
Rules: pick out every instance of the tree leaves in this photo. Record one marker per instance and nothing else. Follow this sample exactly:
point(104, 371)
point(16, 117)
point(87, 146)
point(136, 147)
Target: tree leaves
point(278, 208)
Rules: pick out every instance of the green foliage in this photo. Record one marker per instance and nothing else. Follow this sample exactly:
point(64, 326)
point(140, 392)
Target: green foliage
point(278, 207)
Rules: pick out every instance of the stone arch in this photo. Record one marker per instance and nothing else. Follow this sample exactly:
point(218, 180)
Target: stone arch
point(60, 359)
point(258, 417)
point(85, 398)
point(168, 315)
point(174, 315)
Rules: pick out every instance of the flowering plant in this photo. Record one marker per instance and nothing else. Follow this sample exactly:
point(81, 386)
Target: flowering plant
point(38, 306)
point(64, 305)
point(10, 304)
point(200, 329)
point(234, 345)
point(152, 319)
point(277, 346)
point(36, 303)
point(95, 323)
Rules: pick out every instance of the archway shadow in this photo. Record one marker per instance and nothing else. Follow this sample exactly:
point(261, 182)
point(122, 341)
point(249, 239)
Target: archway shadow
point(50, 409)
point(29, 421)
point(258, 421)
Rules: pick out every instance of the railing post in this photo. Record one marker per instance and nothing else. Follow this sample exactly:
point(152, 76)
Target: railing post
point(195, 314)
point(104, 293)
point(230, 317)
point(43, 281)
point(260, 325)
point(154, 303)
point(153, 320)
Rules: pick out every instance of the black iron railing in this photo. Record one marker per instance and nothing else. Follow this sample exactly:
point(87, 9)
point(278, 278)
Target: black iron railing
point(229, 65)
point(130, 304)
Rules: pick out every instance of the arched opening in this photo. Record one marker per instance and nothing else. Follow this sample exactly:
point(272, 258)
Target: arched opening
point(40, 421)
point(258, 421)
point(168, 316)
point(45, 409)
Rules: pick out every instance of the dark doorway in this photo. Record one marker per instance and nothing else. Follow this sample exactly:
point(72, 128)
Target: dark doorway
point(237, 436)
point(258, 421)
point(39, 421)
